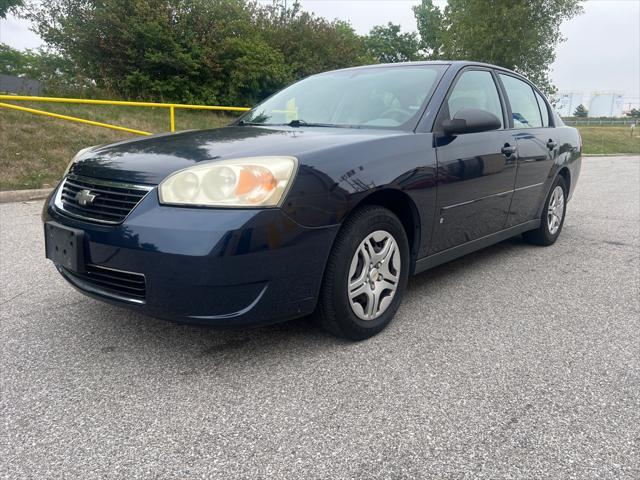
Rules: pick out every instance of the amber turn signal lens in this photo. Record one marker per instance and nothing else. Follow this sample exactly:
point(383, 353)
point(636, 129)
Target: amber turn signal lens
point(255, 178)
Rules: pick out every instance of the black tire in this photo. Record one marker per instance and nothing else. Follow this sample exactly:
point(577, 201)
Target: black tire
point(334, 312)
point(542, 235)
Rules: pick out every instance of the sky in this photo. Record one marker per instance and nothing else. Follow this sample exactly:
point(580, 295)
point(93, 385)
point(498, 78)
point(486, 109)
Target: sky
point(601, 52)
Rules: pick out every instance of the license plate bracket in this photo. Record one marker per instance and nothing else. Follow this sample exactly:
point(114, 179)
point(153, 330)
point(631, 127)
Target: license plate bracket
point(64, 246)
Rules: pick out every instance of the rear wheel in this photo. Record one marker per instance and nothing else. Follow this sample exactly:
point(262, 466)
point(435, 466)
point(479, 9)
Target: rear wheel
point(552, 216)
point(365, 276)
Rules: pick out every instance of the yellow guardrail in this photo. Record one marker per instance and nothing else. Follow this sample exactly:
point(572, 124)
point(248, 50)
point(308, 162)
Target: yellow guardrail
point(171, 106)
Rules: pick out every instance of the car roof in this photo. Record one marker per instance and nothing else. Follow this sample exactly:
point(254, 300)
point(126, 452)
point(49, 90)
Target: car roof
point(457, 64)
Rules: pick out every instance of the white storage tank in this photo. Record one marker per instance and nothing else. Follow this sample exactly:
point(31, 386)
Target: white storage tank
point(606, 104)
point(565, 103)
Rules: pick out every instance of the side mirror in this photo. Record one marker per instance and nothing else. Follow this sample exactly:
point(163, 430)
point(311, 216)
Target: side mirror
point(471, 120)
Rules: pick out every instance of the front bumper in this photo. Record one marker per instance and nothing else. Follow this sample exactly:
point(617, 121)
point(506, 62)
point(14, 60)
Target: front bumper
point(222, 267)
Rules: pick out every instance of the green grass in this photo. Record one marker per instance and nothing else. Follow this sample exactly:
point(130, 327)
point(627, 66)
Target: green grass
point(36, 149)
point(610, 139)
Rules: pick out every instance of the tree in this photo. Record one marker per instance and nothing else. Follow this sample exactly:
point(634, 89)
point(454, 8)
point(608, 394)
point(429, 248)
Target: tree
point(580, 112)
point(430, 24)
point(633, 113)
point(250, 71)
point(387, 44)
point(54, 72)
point(9, 5)
point(310, 44)
point(15, 62)
point(517, 34)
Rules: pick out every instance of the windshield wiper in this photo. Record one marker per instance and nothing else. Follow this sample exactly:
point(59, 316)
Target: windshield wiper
point(242, 123)
point(298, 122)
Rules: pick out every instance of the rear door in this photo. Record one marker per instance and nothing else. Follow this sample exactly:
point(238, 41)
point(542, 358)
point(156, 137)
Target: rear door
point(537, 147)
point(476, 171)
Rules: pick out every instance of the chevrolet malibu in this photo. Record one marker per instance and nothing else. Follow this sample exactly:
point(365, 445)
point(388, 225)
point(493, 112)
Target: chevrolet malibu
point(322, 199)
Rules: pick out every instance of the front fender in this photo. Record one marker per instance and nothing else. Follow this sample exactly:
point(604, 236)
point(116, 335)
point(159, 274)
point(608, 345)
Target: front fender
point(333, 181)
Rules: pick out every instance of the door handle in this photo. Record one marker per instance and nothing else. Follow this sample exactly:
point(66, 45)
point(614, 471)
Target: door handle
point(551, 144)
point(508, 150)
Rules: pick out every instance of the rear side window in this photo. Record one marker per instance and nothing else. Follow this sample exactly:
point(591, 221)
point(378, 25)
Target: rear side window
point(543, 109)
point(474, 89)
point(524, 106)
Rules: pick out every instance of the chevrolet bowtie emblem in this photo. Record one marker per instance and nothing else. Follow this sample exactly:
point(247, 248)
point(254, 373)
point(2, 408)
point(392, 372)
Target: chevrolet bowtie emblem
point(85, 198)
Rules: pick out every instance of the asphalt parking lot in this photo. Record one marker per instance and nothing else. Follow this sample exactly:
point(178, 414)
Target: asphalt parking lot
point(514, 362)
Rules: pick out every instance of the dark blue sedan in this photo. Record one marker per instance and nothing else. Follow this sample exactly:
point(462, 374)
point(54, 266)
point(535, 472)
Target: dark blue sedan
point(322, 199)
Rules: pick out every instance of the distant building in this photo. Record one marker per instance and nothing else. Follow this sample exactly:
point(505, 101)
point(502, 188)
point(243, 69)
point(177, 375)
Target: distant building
point(606, 104)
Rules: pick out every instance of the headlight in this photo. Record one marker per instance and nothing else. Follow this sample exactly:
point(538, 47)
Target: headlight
point(73, 160)
point(246, 182)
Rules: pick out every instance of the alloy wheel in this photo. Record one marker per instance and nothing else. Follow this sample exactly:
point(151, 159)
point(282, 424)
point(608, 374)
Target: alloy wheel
point(555, 211)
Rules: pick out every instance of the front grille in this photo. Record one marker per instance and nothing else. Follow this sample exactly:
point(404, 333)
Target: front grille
point(127, 286)
point(112, 201)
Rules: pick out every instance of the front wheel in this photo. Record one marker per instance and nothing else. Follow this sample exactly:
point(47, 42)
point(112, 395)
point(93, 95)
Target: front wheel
point(366, 274)
point(553, 214)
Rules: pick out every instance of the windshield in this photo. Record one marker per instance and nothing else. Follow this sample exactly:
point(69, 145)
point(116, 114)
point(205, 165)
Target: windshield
point(369, 97)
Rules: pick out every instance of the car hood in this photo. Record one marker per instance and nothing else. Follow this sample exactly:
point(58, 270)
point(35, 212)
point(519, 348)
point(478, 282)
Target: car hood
point(149, 160)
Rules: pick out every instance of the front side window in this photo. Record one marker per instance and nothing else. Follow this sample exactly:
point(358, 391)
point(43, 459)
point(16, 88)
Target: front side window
point(369, 97)
point(474, 89)
point(524, 106)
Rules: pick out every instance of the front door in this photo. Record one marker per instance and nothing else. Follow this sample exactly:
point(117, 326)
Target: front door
point(476, 171)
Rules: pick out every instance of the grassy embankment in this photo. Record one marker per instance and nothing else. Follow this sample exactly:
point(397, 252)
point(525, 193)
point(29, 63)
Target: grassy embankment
point(603, 139)
point(34, 150)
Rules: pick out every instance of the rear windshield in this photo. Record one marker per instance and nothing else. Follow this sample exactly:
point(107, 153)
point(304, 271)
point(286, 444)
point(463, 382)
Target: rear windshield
point(372, 97)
